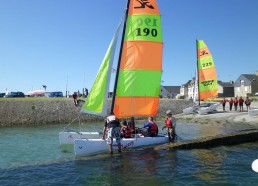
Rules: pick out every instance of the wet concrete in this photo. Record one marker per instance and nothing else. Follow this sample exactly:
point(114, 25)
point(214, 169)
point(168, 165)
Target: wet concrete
point(234, 138)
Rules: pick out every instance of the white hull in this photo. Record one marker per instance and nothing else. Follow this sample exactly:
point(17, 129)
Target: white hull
point(253, 112)
point(66, 139)
point(190, 110)
point(209, 109)
point(84, 147)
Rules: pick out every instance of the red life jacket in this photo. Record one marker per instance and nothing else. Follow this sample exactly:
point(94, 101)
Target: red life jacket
point(126, 131)
point(154, 128)
point(241, 100)
point(168, 123)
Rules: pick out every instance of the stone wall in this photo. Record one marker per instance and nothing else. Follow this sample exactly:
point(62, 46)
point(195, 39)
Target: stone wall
point(51, 111)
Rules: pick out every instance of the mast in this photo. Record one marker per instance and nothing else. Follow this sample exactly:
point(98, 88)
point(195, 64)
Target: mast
point(119, 59)
point(198, 73)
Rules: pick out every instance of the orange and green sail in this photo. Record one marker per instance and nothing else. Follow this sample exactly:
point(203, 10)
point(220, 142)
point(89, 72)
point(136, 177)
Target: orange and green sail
point(207, 78)
point(140, 69)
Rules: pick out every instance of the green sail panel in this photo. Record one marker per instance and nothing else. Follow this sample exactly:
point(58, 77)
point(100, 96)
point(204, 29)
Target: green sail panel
point(208, 85)
point(139, 83)
point(143, 28)
point(96, 102)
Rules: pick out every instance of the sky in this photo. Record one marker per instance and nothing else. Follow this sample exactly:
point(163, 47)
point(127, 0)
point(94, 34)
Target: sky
point(61, 43)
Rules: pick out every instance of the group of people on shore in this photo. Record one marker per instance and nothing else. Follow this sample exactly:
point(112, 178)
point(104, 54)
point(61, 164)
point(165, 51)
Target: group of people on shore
point(237, 102)
point(113, 130)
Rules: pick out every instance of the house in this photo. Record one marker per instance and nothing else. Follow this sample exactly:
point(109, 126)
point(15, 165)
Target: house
point(169, 91)
point(187, 89)
point(225, 89)
point(246, 85)
point(184, 89)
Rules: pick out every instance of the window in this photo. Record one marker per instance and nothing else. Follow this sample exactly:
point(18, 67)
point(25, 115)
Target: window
point(242, 82)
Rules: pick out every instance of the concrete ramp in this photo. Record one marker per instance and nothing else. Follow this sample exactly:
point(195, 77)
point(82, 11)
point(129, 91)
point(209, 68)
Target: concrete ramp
point(243, 136)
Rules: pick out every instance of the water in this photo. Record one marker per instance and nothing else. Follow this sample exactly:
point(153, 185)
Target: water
point(31, 156)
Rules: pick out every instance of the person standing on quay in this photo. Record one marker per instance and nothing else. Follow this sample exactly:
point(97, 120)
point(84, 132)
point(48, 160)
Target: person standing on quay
point(247, 103)
point(235, 103)
point(231, 104)
point(224, 101)
point(241, 103)
point(75, 99)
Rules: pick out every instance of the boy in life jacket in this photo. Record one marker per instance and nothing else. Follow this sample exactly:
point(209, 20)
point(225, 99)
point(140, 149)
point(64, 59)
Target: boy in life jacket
point(152, 128)
point(170, 124)
point(224, 101)
point(112, 126)
point(125, 131)
point(241, 103)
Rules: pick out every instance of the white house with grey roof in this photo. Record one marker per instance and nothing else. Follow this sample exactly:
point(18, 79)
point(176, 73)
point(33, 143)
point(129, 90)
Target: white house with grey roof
point(246, 85)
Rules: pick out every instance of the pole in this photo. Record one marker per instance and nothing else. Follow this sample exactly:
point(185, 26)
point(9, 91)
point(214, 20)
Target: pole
point(198, 73)
point(119, 59)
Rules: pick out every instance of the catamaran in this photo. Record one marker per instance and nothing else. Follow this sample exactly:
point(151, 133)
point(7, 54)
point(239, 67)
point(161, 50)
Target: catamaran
point(138, 77)
point(206, 78)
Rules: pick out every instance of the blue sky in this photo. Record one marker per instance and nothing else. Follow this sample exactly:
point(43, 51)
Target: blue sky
point(52, 42)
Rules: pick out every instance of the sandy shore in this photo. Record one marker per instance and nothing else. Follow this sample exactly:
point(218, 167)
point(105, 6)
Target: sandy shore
point(223, 117)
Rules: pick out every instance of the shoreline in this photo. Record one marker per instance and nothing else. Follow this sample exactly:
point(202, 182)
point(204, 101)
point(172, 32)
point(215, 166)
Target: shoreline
point(55, 111)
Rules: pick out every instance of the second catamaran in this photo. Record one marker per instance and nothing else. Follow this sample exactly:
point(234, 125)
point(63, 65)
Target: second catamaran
point(207, 82)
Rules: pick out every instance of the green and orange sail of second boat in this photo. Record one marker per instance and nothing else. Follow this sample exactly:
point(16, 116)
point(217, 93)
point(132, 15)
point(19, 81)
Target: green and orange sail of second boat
point(206, 85)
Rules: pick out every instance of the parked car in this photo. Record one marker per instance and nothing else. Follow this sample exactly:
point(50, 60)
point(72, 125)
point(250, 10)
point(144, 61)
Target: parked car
point(15, 95)
point(2, 95)
point(256, 94)
point(54, 94)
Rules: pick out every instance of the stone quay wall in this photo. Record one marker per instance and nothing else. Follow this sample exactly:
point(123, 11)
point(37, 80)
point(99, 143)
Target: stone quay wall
point(51, 111)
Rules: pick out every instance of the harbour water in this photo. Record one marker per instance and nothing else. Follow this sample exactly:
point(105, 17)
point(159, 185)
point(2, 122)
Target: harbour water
point(32, 156)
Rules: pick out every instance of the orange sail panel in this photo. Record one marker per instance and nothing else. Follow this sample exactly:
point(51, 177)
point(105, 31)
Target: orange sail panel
point(140, 70)
point(207, 78)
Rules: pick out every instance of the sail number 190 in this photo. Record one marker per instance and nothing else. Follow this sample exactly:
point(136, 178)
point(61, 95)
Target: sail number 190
point(143, 29)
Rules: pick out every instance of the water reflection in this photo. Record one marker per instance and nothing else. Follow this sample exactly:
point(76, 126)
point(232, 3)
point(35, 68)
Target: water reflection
point(209, 164)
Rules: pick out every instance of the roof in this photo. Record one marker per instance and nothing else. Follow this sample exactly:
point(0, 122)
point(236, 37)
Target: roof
point(251, 77)
point(187, 83)
point(225, 84)
point(172, 89)
point(247, 79)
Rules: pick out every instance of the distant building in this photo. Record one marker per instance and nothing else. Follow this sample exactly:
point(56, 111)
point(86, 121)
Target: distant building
point(169, 91)
point(184, 89)
point(187, 89)
point(225, 89)
point(246, 85)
